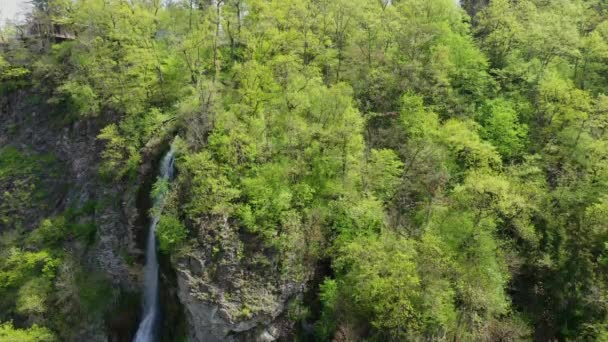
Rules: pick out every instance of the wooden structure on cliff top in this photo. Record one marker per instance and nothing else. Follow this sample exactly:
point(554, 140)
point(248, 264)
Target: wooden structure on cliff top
point(29, 31)
point(55, 31)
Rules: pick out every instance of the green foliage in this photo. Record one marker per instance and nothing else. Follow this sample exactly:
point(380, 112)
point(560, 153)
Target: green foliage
point(171, 233)
point(381, 281)
point(33, 296)
point(160, 188)
point(452, 170)
point(390, 297)
point(268, 196)
point(66, 227)
point(211, 190)
point(19, 265)
point(33, 334)
point(80, 98)
point(120, 158)
point(328, 294)
point(350, 220)
point(12, 77)
point(384, 173)
point(501, 126)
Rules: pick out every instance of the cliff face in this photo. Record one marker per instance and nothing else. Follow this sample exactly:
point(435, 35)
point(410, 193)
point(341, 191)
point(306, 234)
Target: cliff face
point(228, 291)
point(229, 286)
point(29, 125)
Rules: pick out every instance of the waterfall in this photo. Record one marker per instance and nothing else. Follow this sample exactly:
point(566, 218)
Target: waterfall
point(149, 325)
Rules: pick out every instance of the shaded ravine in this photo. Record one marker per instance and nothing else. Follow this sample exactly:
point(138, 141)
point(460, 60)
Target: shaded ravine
point(148, 328)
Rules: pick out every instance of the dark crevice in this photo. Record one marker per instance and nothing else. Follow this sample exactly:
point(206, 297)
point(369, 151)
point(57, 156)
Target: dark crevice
point(123, 323)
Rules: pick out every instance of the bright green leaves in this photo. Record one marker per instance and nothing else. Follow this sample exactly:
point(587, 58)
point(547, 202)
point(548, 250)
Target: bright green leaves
point(502, 128)
point(171, 233)
point(82, 99)
point(550, 60)
point(118, 67)
point(25, 280)
point(160, 188)
point(524, 38)
point(426, 226)
point(384, 170)
point(418, 122)
point(459, 137)
point(33, 296)
point(471, 227)
point(467, 212)
point(268, 197)
point(384, 281)
point(436, 269)
point(19, 264)
point(477, 266)
point(500, 31)
point(12, 77)
point(211, 190)
point(495, 197)
point(336, 145)
point(349, 220)
point(120, 157)
point(50, 232)
point(69, 226)
point(470, 151)
point(35, 281)
point(561, 104)
point(380, 280)
point(290, 142)
point(34, 334)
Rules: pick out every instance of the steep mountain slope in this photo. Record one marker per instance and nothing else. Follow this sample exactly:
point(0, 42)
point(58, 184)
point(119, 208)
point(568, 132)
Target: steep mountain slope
point(344, 170)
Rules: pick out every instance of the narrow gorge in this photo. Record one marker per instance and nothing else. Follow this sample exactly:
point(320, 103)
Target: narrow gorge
point(149, 326)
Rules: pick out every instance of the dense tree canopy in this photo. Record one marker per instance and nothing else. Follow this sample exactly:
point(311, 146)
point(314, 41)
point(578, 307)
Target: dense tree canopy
point(452, 170)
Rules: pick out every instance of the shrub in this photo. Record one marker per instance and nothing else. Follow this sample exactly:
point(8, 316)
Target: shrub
point(171, 233)
point(34, 334)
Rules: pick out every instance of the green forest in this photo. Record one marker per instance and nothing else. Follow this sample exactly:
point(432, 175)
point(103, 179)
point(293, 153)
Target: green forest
point(357, 170)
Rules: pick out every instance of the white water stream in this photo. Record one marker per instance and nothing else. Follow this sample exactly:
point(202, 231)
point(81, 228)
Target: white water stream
point(148, 328)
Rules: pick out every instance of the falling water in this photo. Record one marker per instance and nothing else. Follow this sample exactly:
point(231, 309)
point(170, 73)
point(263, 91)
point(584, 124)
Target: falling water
point(149, 325)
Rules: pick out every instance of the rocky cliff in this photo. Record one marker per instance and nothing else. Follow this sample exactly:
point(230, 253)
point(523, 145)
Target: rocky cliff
point(229, 293)
point(30, 124)
point(229, 286)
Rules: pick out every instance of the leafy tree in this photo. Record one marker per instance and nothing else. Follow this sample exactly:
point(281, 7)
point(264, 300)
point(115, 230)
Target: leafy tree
point(501, 126)
point(451, 170)
point(384, 171)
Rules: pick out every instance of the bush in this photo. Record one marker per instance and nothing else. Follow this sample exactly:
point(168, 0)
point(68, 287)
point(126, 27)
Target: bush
point(34, 334)
point(32, 297)
point(171, 233)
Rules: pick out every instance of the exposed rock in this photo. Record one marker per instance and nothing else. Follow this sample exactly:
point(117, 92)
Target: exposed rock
point(34, 126)
point(231, 287)
point(226, 295)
